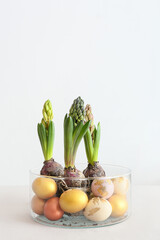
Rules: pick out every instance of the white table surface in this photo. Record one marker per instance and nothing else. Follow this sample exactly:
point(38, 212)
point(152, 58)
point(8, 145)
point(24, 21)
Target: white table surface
point(16, 223)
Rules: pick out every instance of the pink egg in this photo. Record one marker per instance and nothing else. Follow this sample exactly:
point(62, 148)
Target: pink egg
point(102, 188)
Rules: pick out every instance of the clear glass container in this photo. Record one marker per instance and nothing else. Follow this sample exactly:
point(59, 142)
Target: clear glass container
point(81, 202)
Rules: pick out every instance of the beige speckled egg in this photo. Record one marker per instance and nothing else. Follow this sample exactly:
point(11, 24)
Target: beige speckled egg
point(121, 185)
point(98, 209)
point(102, 188)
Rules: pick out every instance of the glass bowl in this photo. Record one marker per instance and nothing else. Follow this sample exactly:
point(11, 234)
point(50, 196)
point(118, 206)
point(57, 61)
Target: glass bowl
point(81, 202)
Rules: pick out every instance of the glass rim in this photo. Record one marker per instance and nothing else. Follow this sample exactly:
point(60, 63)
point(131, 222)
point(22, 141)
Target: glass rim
point(129, 171)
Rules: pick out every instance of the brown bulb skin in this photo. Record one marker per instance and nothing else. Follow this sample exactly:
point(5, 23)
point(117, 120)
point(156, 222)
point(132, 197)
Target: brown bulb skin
point(52, 168)
point(94, 170)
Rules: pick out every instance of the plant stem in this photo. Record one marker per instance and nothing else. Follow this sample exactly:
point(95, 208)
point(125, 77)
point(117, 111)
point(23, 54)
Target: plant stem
point(92, 147)
point(46, 138)
point(72, 137)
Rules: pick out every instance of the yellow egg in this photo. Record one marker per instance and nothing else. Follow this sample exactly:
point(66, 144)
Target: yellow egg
point(73, 200)
point(121, 185)
point(119, 205)
point(44, 187)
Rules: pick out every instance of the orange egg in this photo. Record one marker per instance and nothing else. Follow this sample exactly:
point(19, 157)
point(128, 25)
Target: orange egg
point(37, 205)
point(52, 209)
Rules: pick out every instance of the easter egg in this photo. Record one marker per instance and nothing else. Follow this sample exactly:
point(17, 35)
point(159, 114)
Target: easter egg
point(73, 200)
point(52, 209)
point(44, 187)
point(119, 205)
point(37, 205)
point(102, 188)
point(121, 185)
point(98, 209)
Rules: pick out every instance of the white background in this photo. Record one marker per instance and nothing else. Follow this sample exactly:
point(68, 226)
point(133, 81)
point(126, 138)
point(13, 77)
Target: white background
point(106, 51)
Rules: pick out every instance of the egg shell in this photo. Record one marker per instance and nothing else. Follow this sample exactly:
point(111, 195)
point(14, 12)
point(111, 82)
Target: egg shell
point(119, 205)
point(121, 185)
point(73, 200)
point(44, 187)
point(98, 209)
point(37, 205)
point(52, 209)
point(102, 188)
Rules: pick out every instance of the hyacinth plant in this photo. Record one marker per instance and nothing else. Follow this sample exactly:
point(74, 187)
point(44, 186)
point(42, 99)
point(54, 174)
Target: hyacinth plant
point(46, 133)
point(74, 130)
point(92, 140)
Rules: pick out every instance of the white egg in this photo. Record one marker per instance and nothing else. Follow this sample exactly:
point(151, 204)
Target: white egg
point(98, 209)
point(121, 185)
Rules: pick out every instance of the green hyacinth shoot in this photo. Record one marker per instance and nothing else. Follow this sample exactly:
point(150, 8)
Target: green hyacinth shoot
point(74, 131)
point(46, 131)
point(92, 137)
point(72, 138)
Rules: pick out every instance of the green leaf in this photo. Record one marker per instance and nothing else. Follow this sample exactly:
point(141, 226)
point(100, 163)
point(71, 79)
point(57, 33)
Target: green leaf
point(96, 144)
point(65, 118)
point(43, 138)
point(88, 145)
point(81, 134)
point(94, 135)
point(76, 132)
point(65, 135)
point(50, 142)
point(68, 132)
